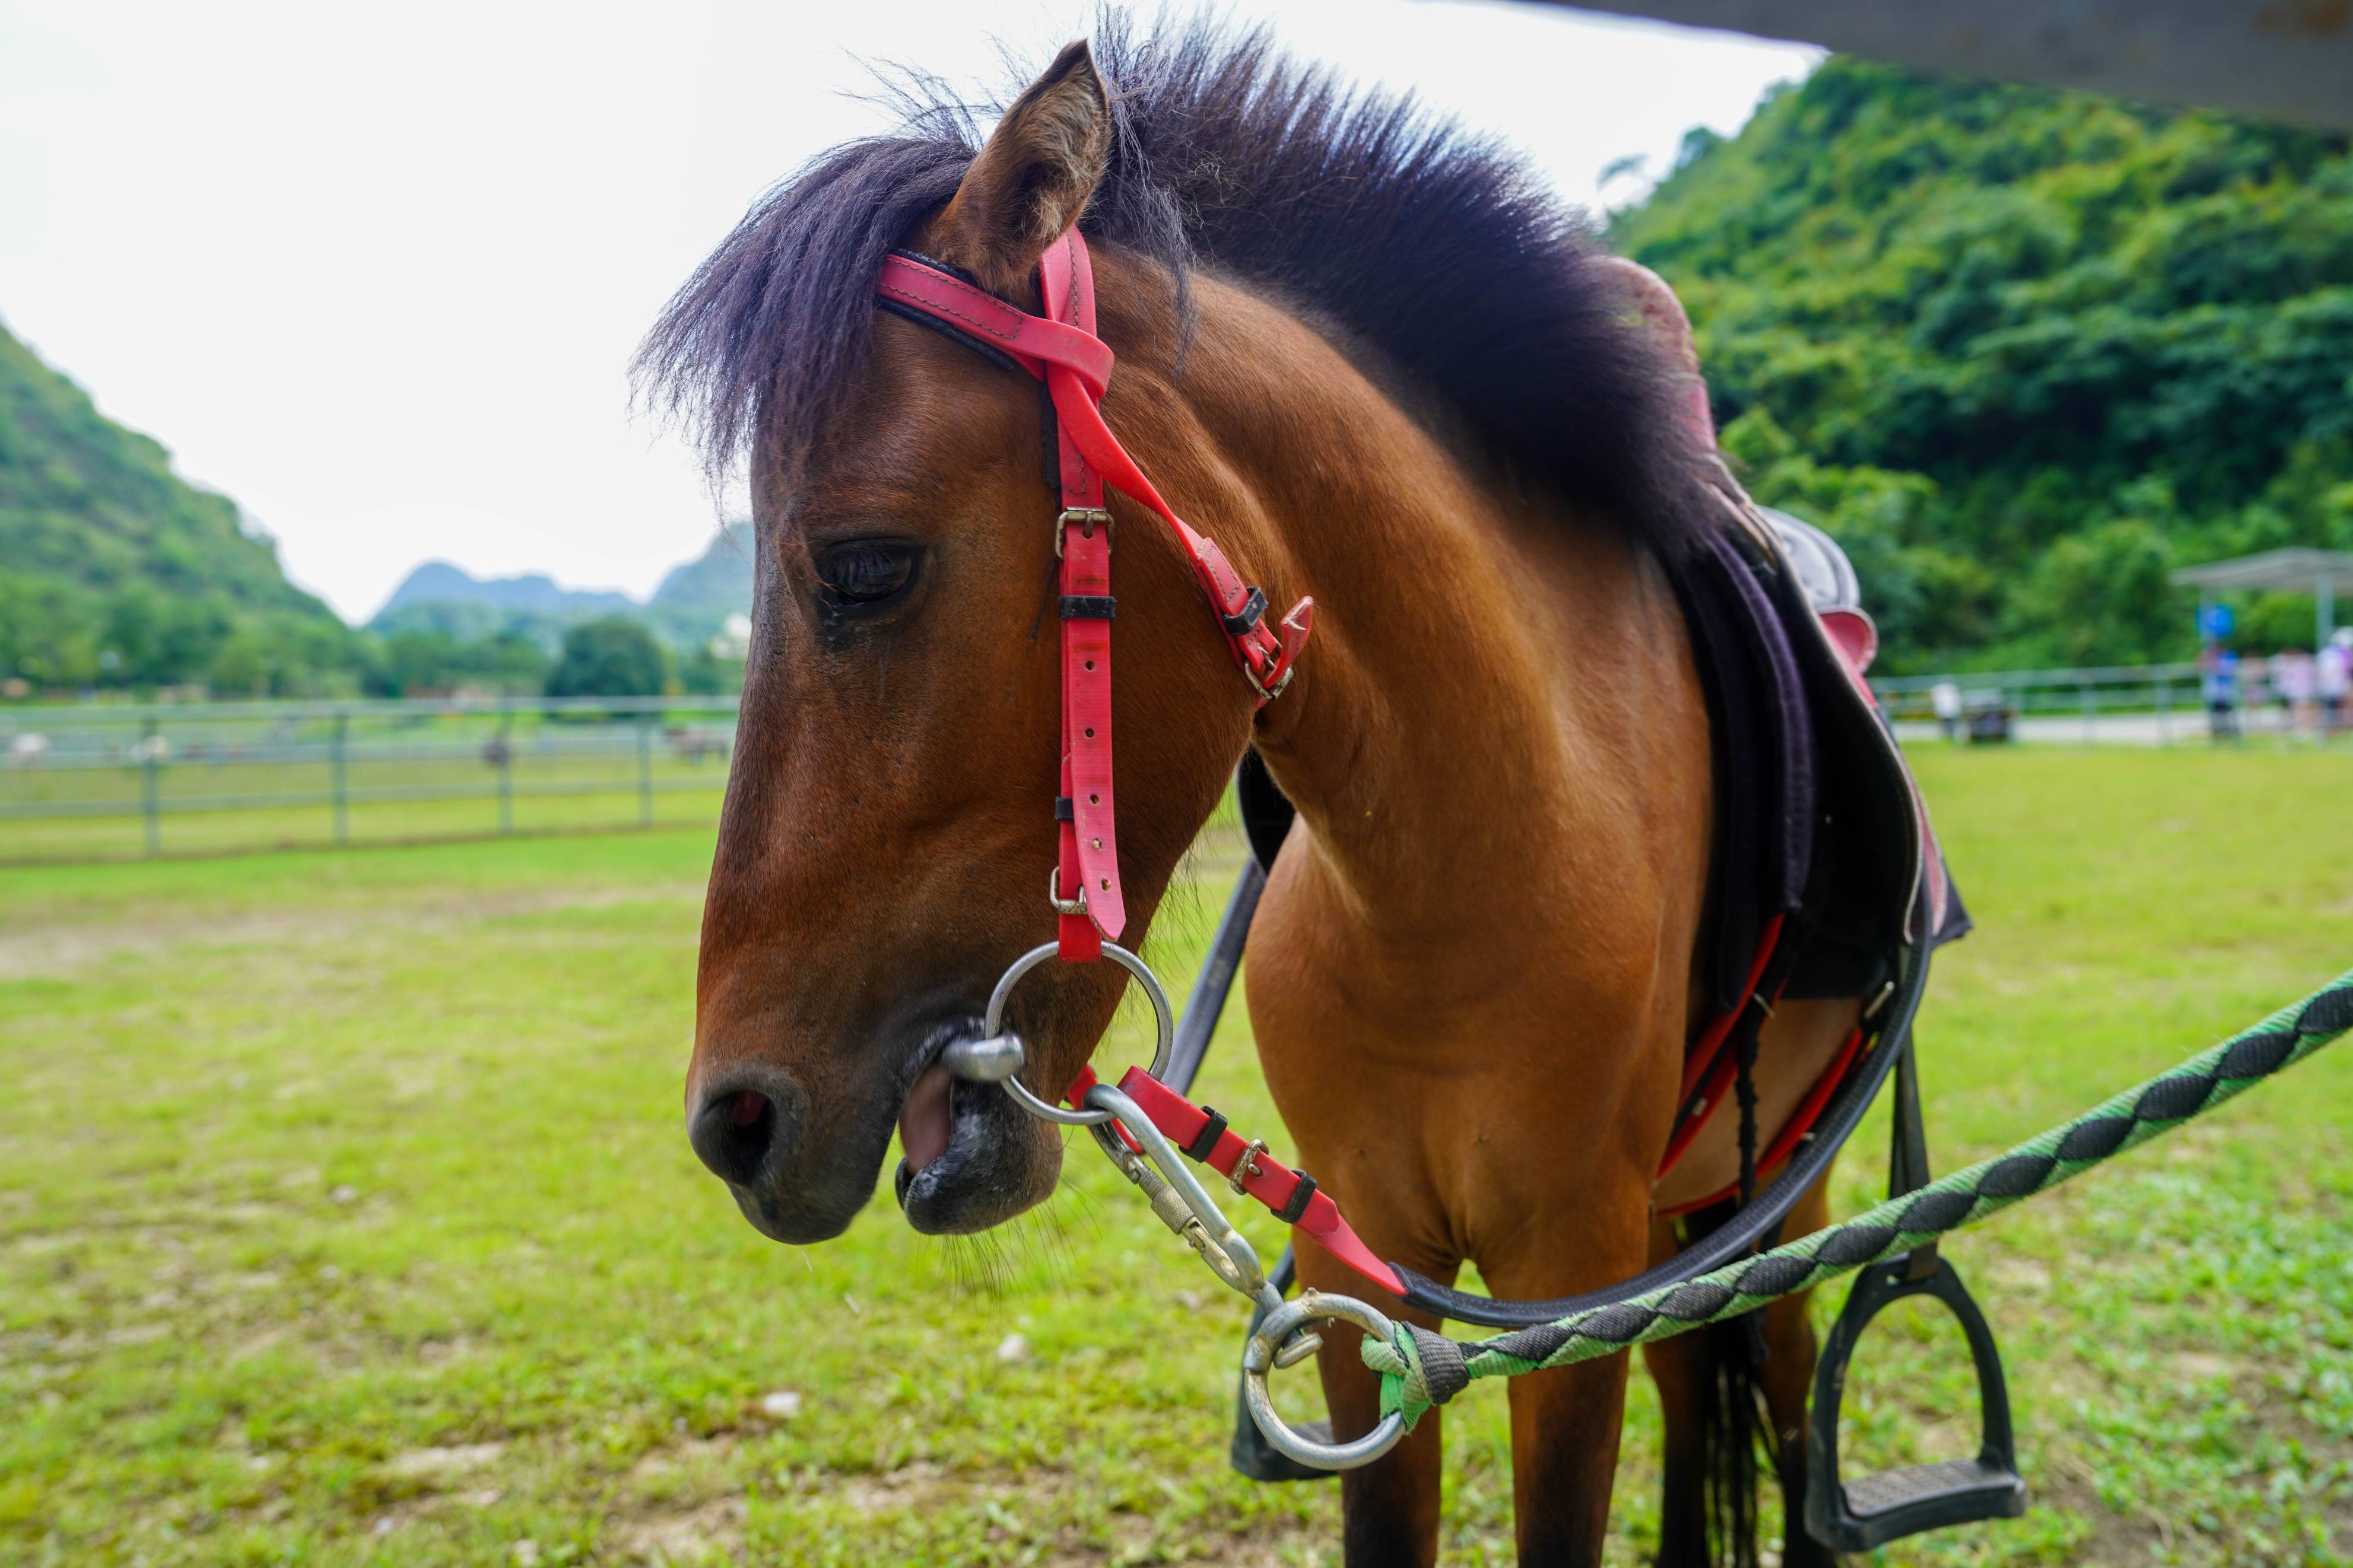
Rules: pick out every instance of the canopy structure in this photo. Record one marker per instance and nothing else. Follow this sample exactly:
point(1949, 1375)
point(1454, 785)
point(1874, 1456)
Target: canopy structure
point(2268, 59)
point(2314, 571)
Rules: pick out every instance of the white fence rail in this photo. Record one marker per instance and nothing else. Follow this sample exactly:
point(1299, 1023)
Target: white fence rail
point(74, 772)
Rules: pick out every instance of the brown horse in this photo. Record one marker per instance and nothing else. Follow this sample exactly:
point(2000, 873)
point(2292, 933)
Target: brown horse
point(1382, 367)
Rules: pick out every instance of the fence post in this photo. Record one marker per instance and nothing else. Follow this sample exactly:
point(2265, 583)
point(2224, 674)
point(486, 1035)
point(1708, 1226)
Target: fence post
point(339, 760)
point(2091, 712)
point(2165, 712)
point(506, 767)
point(646, 770)
point(151, 778)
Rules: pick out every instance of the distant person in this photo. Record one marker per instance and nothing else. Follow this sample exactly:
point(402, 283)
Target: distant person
point(2294, 680)
point(1945, 699)
point(2332, 680)
point(2222, 684)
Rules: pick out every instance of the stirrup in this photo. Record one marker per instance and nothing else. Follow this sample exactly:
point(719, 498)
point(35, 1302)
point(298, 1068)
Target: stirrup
point(1871, 1511)
point(1890, 1505)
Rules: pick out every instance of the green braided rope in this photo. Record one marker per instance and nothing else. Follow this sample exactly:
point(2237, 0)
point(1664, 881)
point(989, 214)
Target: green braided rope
point(2125, 1121)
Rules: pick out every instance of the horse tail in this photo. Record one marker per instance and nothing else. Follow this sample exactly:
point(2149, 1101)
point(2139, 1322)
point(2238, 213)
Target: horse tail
point(1733, 1433)
point(1727, 1364)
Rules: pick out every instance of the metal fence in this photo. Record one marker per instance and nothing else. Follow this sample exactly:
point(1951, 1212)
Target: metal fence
point(2137, 705)
point(96, 779)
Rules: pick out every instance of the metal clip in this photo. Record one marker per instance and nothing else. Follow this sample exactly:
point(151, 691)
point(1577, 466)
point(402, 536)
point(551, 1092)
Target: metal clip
point(1268, 1349)
point(1064, 906)
point(1222, 1247)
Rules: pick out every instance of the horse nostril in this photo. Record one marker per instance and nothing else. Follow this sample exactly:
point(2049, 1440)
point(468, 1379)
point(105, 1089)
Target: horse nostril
point(740, 1132)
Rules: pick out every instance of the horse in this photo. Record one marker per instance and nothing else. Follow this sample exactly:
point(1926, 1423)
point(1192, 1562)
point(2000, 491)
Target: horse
point(1375, 358)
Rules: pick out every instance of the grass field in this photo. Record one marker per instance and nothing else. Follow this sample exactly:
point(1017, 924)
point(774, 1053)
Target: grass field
point(345, 1217)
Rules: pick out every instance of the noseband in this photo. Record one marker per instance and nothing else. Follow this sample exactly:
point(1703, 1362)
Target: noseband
point(1061, 349)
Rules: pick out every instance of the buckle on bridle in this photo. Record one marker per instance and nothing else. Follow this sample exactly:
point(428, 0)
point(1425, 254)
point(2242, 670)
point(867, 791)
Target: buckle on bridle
point(1269, 692)
point(1064, 906)
point(1085, 517)
point(1299, 623)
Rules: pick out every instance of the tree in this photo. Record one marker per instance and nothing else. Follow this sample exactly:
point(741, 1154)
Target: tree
point(2104, 597)
point(2017, 347)
point(614, 657)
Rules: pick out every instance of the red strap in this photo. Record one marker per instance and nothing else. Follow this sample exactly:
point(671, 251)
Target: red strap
point(1088, 859)
point(1700, 1057)
point(1035, 341)
point(1785, 1143)
point(1268, 1180)
point(1061, 348)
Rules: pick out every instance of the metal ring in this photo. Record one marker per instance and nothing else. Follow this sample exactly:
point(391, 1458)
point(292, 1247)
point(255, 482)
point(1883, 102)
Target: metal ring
point(1163, 1021)
point(1258, 1358)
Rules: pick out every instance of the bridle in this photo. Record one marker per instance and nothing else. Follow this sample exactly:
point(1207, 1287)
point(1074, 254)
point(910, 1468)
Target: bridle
point(1061, 349)
point(1141, 1123)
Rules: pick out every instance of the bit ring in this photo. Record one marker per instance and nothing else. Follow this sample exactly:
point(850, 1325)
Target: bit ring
point(1164, 1022)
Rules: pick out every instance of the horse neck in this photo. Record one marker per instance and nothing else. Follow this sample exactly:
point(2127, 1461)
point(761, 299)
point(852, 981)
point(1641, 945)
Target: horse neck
point(1433, 737)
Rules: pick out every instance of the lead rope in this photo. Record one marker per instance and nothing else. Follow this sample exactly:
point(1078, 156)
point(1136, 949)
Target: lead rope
point(2122, 1122)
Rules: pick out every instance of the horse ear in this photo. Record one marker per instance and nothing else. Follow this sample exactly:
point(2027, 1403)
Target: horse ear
point(1033, 178)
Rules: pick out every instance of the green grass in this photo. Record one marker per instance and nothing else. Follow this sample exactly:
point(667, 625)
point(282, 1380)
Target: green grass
point(345, 1217)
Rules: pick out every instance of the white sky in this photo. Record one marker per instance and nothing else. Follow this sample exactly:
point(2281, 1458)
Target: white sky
point(376, 270)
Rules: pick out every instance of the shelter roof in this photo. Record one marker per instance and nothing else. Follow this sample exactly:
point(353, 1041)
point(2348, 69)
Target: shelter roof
point(2271, 59)
point(2296, 570)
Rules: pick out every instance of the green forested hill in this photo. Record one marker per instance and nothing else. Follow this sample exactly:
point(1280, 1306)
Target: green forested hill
point(2024, 351)
point(114, 571)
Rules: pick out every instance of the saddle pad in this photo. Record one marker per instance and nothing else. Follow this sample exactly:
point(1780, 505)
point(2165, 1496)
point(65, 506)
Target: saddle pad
point(1816, 817)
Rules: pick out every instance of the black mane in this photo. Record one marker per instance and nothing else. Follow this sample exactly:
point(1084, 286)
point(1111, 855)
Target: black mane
point(1441, 251)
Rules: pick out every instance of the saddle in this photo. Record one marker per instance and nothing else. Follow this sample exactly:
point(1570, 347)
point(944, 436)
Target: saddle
point(1825, 866)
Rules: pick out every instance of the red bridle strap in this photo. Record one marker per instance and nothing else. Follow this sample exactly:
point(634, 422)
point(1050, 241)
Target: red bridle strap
point(1202, 1134)
point(1061, 348)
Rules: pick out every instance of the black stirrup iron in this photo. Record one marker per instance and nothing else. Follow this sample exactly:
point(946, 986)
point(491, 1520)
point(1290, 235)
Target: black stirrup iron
point(1858, 1515)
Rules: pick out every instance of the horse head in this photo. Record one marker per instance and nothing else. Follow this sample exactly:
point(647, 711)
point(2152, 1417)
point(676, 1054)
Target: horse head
point(889, 828)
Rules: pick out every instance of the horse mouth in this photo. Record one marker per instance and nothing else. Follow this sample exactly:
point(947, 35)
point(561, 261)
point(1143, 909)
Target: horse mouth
point(926, 1121)
point(969, 1157)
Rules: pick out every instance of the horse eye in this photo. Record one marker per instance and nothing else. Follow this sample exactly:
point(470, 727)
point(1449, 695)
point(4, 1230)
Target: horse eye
point(866, 573)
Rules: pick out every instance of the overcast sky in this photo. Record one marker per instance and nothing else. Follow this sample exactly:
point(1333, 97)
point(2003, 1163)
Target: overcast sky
point(376, 270)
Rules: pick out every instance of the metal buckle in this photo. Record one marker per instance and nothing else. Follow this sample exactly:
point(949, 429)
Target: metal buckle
point(1268, 694)
point(1247, 1165)
point(1290, 661)
point(1064, 906)
point(1085, 516)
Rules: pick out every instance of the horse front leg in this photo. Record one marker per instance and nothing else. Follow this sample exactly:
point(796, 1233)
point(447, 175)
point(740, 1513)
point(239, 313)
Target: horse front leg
point(1687, 1369)
point(1565, 1430)
point(1566, 1422)
point(1787, 1379)
point(1389, 1508)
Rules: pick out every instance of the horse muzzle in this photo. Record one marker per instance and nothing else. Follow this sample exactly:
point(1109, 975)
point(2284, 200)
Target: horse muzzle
point(970, 1158)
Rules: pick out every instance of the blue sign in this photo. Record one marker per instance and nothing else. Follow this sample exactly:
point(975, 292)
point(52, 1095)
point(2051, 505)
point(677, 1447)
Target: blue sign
point(2214, 621)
